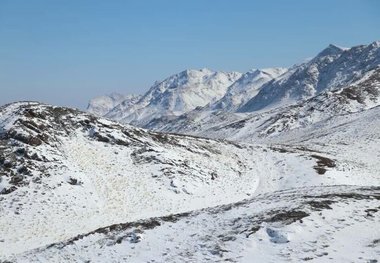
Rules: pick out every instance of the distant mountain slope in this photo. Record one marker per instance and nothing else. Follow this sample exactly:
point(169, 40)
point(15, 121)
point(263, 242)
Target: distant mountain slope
point(176, 95)
point(332, 68)
point(205, 98)
point(360, 96)
point(358, 66)
point(245, 88)
point(103, 104)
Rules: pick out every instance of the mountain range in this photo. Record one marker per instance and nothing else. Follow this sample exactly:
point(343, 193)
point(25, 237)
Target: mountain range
point(204, 92)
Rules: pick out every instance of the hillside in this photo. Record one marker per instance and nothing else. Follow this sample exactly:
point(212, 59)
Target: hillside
point(311, 224)
point(61, 166)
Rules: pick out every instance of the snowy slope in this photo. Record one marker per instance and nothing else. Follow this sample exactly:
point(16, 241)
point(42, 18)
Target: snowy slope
point(176, 95)
point(60, 166)
point(358, 97)
point(310, 224)
point(66, 173)
point(245, 88)
point(344, 123)
point(362, 95)
point(103, 104)
point(351, 139)
point(332, 68)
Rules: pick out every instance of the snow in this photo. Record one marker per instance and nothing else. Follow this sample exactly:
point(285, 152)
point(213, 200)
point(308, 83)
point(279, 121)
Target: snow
point(332, 68)
point(117, 184)
point(103, 104)
point(314, 224)
point(176, 95)
point(255, 91)
point(246, 87)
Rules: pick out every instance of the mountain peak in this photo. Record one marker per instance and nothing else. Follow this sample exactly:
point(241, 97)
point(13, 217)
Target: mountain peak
point(375, 44)
point(192, 72)
point(331, 50)
point(274, 72)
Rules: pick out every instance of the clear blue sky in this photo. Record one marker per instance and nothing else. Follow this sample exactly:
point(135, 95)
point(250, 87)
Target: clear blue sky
point(65, 52)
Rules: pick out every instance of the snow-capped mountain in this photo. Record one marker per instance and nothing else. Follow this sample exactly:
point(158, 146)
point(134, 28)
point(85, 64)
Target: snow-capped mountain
point(236, 95)
point(358, 66)
point(188, 90)
point(332, 68)
point(361, 95)
point(194, 95)
point(176, 95)
point(103, 104)
point(245, 88)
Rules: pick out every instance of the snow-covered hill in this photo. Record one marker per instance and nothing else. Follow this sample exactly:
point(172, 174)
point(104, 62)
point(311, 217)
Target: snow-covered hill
point(66, 173)
point(60, 166)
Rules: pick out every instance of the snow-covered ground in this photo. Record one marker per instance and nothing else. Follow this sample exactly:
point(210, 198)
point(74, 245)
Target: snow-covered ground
point(85, 173)
point(91, 172)
point(319, 224)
